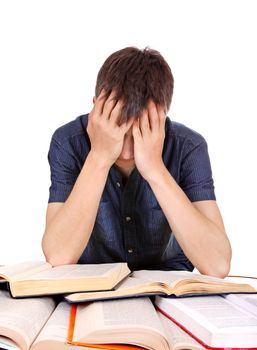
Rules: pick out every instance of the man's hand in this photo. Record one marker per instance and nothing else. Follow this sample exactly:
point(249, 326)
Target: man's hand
point(105, 133)
point(149, 133)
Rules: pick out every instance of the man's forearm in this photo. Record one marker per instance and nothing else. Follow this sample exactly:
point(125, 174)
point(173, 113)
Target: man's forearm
point(68, 233)
point(204, 243)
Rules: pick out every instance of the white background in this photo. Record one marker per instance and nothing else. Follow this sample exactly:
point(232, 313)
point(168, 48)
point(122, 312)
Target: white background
point(50, 54)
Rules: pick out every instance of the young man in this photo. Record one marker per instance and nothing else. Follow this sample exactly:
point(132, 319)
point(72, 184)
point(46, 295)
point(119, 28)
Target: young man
point(129, 184)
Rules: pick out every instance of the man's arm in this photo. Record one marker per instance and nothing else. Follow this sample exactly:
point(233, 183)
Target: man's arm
point(197, 226)
point(70, 224)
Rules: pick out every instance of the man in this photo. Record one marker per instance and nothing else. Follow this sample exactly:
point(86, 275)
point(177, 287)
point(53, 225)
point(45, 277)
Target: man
point(129, 184)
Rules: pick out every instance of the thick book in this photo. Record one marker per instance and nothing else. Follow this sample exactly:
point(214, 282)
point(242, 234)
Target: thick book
point(227, 321)
point(40, 278)
point(152, 282)
point(125, 324)
point(33, 323)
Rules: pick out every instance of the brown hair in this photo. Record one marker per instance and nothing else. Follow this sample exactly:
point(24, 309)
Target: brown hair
point(136, 76)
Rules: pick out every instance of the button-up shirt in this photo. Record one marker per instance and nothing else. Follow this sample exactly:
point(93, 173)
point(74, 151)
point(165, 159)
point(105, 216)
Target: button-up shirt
point(130, 224)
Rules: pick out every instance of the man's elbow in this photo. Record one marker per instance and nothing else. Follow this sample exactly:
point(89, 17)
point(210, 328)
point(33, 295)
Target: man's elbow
point(56, 257)
point(220, 270)
point(57, 260)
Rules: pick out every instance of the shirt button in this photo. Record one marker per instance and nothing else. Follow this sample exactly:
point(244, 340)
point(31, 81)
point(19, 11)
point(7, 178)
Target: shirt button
point(128, 218)
point(118, 184)
point(130, 250)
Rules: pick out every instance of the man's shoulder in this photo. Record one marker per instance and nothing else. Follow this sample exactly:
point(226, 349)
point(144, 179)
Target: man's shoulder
point(74, 129)
point(183, 133)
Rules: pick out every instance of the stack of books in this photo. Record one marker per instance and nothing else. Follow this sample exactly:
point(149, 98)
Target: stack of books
point(105, 306)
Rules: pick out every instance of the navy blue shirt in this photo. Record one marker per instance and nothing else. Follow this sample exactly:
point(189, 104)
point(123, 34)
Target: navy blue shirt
point(130, 224)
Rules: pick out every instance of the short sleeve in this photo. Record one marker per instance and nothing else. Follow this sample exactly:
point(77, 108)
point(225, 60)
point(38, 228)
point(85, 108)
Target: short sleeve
point(196, 174)
point(64, 172)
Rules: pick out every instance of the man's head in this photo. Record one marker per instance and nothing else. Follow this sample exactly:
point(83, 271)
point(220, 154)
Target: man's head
point(137, 76)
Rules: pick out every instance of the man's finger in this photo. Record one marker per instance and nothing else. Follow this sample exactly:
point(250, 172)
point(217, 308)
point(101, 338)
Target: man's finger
point(115, 114)
point(136, 130)
point(162, 115)
point(99, 103)
point(144, 123)
point(109, 105)
point(153, 116)
point(127, 125)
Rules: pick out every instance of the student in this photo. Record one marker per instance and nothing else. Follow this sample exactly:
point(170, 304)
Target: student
point(130, 184)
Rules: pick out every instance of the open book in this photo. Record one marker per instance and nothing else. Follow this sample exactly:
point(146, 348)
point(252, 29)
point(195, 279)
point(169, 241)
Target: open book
point(33, 323)
point(125, 324)
point(216, 321)
point(22, 319)
point(247, 302)
point(40, 278)
point(179, 283)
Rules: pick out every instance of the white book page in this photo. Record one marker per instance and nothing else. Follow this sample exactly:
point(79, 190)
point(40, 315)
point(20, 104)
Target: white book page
point(18, 271)
point(217, 312)
point(56, 328)
point(54, 334)
point(247, 302)
point(243, 280)
point(129, 285)
point(161, 276)
point(213, 319)
point(75, 271)
point(22, 319)
point(7, 344)
point(178, 339)
point(171, 277)
point(132, 321)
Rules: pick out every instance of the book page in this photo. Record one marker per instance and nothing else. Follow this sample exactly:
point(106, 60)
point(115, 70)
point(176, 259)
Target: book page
point(184, 282)
point(75, 271)
point(162, 276)
point(212, 319)
point(22, 319)
point(130, 321)
point(243, 279)
point(10, 272)
point(56, 327)
point(54, 334)
point(213, 312)
point(178, 339)
point(143, 281)
point(219, 312)
point(172, 277)
point(129, 286)
point(7, 344)
point(247, 302)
